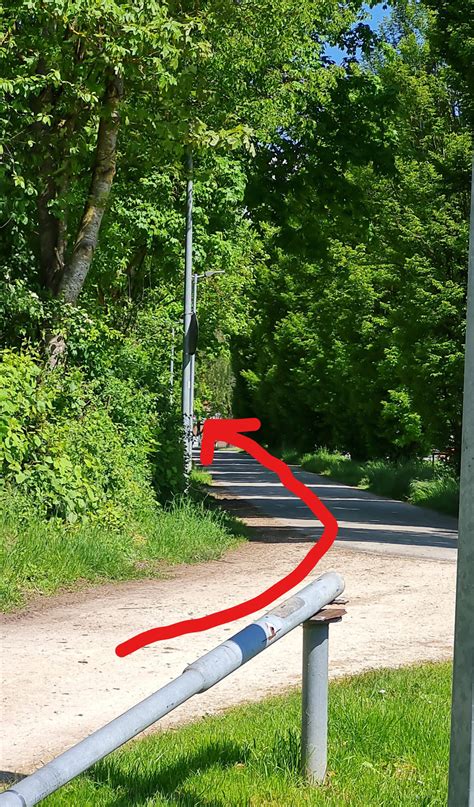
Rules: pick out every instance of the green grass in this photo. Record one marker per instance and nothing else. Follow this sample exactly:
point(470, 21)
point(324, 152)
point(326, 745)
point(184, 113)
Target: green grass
point(394, 478)
point(440, 494)
point(413, 480)
point(333, 464)
point(38, 556)
point(200, 480)
point(290, 456)
point(388, 747)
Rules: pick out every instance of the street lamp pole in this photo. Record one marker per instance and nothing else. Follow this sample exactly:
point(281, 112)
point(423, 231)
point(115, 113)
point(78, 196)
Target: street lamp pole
point(193, 357)
point(196, 279)
point(172, 366)
point(188, 272)
point(461, 766)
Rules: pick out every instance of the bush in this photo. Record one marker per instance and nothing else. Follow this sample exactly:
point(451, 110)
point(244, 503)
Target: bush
point(289, 455)
point(393, 479)
point(61, 447)
point(130, 373)
point(440, 494)
point(333, 464)
point(167, 458)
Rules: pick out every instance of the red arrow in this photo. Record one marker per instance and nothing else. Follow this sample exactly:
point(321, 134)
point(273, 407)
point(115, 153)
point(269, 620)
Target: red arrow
point(229, 431)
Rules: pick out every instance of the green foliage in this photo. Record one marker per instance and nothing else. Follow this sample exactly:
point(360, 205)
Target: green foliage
point(394, 479)
point(290, 455)
point(77, 448)
point(416, 481)
point(215, 76)
point(440, 493)
point(331, 463)
point(357, 327)
point(403, 426)
point(167, 459)
point(40, 556)
point(22, 311)
point(452, 38)
point(24, 406)
point(200, 479)
point(112, 424)
point(334, 196)
point(215, 385)
point(388, 745)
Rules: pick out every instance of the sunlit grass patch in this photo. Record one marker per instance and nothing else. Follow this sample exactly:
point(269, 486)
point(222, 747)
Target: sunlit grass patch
point(440, 494)
point(388, 745)
point(416, 481)
point(331, 463)
point(39, 556)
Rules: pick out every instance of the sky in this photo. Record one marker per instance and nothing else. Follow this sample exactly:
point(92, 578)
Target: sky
point(375, 16)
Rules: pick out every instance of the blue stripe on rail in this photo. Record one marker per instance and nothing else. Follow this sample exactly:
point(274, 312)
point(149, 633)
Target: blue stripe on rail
point(251, 641)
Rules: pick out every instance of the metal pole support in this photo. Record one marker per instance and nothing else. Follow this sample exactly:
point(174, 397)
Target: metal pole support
point(193, 359)
point(461, 766)
point(314, 724)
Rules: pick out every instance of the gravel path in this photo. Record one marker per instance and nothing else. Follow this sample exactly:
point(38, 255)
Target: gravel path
point(62, 680)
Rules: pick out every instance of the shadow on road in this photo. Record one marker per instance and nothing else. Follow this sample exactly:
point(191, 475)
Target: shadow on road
point(253, 493)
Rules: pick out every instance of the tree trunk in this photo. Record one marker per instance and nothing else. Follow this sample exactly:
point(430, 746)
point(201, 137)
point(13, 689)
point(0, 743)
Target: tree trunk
point(52, 231)
point(133, 270)
point(49, 225)
point(76, 271)
point(50, 260)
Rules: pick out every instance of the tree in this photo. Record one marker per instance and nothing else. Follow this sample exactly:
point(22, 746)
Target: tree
point(363, 207)
point(78, 81)
point(69, 73)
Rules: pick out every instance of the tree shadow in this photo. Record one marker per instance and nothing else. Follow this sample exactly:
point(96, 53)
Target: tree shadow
point(138, 783)
point(10, 777)
point(254, 494)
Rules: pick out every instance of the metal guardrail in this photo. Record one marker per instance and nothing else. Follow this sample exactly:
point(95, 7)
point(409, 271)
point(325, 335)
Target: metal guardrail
point(202, 675)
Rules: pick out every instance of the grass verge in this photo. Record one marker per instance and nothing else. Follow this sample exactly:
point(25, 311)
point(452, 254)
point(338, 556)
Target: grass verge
point(440, 494)
point(415, 481)
point(39, 556)
point(388, 746)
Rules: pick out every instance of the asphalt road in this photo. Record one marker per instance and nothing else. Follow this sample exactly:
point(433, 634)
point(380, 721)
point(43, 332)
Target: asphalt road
point(367, 522)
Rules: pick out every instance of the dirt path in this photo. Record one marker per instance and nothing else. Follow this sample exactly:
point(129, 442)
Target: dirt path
point(62, 679)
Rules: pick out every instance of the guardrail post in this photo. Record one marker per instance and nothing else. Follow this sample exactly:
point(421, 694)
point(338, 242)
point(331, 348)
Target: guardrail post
point(314, 724)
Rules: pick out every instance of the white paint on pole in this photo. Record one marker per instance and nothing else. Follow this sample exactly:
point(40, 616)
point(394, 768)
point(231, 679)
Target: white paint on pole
point(461, 768)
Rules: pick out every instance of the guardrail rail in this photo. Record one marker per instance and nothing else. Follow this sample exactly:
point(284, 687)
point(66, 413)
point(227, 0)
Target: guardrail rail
point(305, 607)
